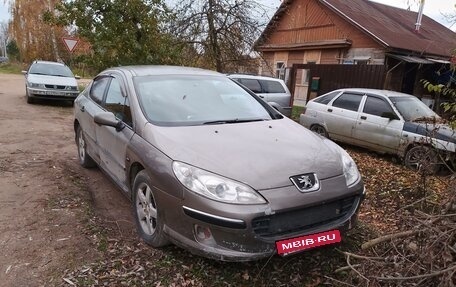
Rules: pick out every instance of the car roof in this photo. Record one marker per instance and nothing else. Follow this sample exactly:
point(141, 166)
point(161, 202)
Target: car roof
point(153, 70)
point(385, 93)
point(244, 76)
point(48, 62)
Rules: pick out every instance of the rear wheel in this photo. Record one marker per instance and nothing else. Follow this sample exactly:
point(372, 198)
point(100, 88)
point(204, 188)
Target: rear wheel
point(422, 158)
point(319, 130)
point(148, 216)
point(84, 158)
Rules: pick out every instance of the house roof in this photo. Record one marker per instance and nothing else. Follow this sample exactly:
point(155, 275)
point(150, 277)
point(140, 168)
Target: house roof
point(392, 27)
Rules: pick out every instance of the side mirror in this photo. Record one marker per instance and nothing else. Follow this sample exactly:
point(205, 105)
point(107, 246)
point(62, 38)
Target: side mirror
point(108, 119)
point(77, 77)
point(24, 72)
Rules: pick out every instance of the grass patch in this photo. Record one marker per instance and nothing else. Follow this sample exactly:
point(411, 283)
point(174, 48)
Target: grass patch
point(11, 68)
point(296, 111)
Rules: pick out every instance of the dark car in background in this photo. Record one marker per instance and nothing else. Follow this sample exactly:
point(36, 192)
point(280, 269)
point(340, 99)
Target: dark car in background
point(211, 167)
point(46, 80)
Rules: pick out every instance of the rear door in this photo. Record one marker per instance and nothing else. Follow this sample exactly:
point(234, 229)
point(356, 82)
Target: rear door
point(112, 143)
point(274, 92)
point(375, 127)
point(341, 117)
point(253, 85)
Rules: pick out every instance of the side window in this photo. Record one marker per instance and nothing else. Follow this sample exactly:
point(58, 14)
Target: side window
point(325, 99)
point(280, 70)
point(377, 107)
point(271, 87)
point(252, 84)
point(98, 89)
point(116, 103)
point(348, 101)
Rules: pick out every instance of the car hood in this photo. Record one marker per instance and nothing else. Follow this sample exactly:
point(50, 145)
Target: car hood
point(438, 131)
point(263, 155)
point(51, 80)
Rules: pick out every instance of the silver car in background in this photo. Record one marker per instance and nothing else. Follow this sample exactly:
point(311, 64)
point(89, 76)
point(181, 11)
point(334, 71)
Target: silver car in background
point(272, 90)
point(48, 80)
point(383, 121)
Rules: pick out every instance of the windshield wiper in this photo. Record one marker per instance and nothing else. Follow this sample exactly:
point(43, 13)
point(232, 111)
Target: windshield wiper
point(233, 121)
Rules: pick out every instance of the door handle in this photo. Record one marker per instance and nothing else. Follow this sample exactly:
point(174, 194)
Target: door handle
point(261, 97)
point(330, 110)
point(363, 117)
point(82, 109)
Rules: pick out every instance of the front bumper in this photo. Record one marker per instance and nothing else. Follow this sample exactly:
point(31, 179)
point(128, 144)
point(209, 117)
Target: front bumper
point(249, 232)
point(52, 94)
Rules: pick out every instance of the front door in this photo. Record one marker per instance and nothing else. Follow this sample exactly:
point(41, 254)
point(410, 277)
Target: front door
point(378, 127)
point(113, 143)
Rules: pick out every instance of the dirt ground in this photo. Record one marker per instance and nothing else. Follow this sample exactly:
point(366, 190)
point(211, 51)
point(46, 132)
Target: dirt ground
point(43, 191)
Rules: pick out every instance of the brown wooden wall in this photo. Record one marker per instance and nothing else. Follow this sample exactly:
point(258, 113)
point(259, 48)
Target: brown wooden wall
point(310, 21)
point(330, 56)
point(333, 77)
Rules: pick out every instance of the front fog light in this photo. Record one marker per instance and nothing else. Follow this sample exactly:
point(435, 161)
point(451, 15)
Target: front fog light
point(203, 234)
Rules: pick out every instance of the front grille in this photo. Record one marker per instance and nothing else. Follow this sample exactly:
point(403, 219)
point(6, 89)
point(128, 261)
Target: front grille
point(55, 87)
point(303, 219)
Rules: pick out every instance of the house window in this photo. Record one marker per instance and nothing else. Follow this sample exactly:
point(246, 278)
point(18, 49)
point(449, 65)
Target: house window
point(280, 70)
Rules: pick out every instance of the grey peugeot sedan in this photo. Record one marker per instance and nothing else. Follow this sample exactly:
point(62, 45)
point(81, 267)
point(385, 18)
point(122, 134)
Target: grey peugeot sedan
point(211, 167)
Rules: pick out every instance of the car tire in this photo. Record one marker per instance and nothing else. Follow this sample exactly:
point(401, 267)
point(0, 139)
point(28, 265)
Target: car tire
point(319, 130)
point(422, 158)
point(30, 100)
point(84, 158)
point(148, 215)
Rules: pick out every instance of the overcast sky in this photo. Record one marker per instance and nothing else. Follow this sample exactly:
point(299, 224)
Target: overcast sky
point(432, 8)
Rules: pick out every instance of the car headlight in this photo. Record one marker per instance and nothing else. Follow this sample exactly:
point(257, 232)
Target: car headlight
point(71, 88)
point(35, 85)
point(349, 167)
point(214, 186)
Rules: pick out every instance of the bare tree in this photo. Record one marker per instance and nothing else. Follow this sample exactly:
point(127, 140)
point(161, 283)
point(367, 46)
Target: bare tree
point(35, 38)
point(222, 32)
point(3, 38)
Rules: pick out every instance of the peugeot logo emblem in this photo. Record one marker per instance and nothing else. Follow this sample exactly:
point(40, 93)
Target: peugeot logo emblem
point(306, 182)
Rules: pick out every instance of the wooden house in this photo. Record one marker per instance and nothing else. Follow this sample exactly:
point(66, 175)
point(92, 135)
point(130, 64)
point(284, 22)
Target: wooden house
point(353, 43)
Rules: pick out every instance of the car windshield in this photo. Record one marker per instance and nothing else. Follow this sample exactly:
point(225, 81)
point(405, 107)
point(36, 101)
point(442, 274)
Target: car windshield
point(51, 70)
point(412, 109)
point(196, 100)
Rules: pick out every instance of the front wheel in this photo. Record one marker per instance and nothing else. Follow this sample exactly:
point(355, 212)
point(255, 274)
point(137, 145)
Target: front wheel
point(148, 217)
point(84, 158)
point(422, 158)
point(319, 130)
point(30, 100)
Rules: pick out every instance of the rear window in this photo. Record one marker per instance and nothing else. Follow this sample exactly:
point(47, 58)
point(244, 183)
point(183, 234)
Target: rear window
point(348, 101)
point(252, 84)
point(270, 87)
point(325, 99)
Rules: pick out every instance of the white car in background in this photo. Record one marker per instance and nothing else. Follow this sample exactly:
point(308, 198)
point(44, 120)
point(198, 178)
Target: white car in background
point(383, 121)
point(50, 81)
point(272, 90)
